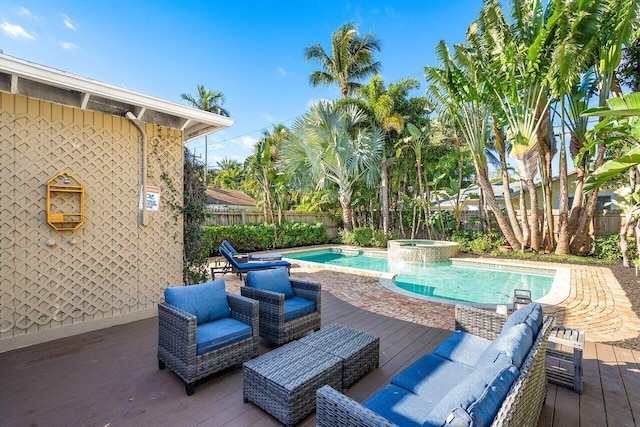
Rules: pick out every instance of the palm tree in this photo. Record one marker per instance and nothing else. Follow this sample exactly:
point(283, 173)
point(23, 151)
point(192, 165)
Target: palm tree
point(351, 59)
point(267, 153)
point(328, 145)
point(388, 108)
point(207, 100)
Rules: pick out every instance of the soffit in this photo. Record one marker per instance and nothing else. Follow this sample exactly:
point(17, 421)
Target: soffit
point(37, 81)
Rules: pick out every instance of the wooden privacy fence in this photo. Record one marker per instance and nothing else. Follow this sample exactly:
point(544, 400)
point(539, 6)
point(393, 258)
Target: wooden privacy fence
point(230, 216)
point(604, 223)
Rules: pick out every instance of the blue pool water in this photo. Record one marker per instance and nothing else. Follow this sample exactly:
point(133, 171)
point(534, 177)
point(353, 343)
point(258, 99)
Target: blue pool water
point(443, 280)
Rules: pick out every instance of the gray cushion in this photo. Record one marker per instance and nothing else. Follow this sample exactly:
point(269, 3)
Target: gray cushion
point(432, 376)
point(530, 314)
point(220, 333)
point(206, 301)
point(462, 347)
point(476, 400)
point(296, 307)
point(275, 280)
point(399, 406)
point(514, 343)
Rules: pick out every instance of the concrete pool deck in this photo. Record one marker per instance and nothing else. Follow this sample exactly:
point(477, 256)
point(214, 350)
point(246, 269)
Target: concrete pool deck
point(596, 303)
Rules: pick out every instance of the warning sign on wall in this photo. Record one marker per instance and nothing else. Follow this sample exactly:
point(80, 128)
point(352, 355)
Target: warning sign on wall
point(152, 198)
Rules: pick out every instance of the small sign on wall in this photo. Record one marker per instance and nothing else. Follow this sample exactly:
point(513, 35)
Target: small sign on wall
point(152, 198)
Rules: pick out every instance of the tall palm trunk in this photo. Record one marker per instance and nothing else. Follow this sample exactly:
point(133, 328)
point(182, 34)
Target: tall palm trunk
point(511, 212)
point(490, 199)
point(384, 191)
point(547, 150)
point(344, 196)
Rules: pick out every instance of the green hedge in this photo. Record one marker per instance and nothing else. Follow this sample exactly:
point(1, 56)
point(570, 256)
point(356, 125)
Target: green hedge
point(363, 236)
point(261, 237)
point(477, 241)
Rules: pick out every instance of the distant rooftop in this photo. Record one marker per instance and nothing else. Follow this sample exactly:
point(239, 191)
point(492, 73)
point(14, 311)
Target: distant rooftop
point(26, 78)
point(218, 197)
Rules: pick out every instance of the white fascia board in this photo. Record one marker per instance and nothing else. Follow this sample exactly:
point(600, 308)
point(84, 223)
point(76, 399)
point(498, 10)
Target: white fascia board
point(62, 79)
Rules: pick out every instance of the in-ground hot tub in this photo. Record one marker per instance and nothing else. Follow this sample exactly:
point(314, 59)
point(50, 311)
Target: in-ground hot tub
point(421, 250)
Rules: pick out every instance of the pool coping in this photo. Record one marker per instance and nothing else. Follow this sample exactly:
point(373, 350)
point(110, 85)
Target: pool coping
point(560, 288)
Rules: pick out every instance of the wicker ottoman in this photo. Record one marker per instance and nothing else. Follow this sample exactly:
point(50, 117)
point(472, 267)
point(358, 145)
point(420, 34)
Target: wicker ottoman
point(284, 381)
point(359, 351)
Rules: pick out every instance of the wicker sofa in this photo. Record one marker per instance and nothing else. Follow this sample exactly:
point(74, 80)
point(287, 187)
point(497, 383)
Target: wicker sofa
point(489, 372)
point(202, 330)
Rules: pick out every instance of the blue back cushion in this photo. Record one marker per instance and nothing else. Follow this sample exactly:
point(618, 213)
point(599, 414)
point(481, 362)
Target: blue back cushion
point(530, 314)
point(275, 280)
point(475, 401)
point(514, 343)
point(206, 301)
point(230, 248)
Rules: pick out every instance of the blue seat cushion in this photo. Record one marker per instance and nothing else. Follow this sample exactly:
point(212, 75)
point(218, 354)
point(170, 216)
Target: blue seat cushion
point(296, 307)
point(462, 347)
point(220, 333)
point(258, 265)
point(530, 314)
point(206, 301)
point(275, 280)
point(514, 343)
point(431, 376)
point(399, 406)
point(475, 401)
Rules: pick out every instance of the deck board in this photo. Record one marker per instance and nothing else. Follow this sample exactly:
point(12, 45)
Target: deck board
point(111, 377)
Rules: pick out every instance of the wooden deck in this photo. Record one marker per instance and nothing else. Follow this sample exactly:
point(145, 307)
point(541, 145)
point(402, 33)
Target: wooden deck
point(111, 378)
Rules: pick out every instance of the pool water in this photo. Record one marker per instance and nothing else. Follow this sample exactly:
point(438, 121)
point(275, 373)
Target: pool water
point(444, 280)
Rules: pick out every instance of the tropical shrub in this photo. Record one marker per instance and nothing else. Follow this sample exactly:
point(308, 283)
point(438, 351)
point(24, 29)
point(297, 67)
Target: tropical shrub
point(358, 236)
point(380, 238)
point(260, 237)
point(479, 242)
point(607, 249)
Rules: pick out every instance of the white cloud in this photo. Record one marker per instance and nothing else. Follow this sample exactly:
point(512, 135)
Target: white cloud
point(282, 72)
point(269, 118)
point(68, 22)
point(246, 141)
point(15, 31)
point(68, 45)
point(23, 11)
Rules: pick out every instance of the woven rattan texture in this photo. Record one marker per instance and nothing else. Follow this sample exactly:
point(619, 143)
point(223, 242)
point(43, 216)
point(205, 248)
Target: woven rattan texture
point(359, 351)
point(272, 324)
point(115, 266)
point(284, 381)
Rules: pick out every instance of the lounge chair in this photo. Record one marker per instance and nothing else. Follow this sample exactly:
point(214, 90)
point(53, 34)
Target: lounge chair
point(243, 267)
point(288, 308)
point(202, 330)
point(272, 256)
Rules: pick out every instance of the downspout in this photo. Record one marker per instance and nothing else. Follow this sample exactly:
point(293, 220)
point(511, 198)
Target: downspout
point(140, 126)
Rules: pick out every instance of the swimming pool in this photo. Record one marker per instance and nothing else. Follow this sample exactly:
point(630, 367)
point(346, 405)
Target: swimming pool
point(482, 283)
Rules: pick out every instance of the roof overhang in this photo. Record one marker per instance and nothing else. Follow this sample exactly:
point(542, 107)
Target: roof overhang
point(36, 81)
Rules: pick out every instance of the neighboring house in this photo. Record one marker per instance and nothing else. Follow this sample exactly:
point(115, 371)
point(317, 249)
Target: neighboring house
point(222, 199)
point(605, 195)
point(92, 256)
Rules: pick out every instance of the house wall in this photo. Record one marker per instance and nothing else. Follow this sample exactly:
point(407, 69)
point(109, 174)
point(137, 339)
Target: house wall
point(117, 269)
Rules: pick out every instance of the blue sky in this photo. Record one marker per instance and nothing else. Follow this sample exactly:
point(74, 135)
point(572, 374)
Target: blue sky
point(252, 51)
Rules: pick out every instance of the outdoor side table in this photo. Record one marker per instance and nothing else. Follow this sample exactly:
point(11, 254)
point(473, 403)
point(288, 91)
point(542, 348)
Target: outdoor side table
point(559, 373)
point(284, 381)
point(359, 350)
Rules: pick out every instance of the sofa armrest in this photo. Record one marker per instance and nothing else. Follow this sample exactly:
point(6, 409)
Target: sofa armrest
point(245, 310)
point(177, 332)
point(334, 409)
point(268, 297)
point(483, 323)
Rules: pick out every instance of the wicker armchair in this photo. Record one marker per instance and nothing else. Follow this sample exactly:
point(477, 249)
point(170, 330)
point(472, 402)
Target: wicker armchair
point(202, 330)
point(288, 308)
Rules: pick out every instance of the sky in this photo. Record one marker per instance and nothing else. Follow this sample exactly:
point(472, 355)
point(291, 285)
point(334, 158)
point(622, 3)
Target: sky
point(251, 51)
